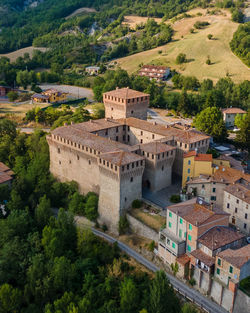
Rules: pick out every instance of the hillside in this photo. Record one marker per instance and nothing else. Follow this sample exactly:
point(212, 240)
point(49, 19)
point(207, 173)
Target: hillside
point(197, 47)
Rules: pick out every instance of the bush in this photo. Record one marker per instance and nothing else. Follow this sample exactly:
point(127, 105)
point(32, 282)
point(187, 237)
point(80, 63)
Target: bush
point(123, 225)
point(192, 281)
point(136, 204)
point(200, 25)
point(12, 96)
point(191, 30)
point(181, 58)
point(237, 16)
point(175, 198)
point(208, 61)
point(209, 36)
point(151, 246)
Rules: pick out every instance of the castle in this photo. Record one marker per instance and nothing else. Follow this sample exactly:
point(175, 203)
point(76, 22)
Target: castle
point(118, 156)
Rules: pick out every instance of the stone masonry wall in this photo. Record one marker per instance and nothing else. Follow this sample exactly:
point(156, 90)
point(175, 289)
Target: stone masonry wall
point(242, 303)
point(141, 229)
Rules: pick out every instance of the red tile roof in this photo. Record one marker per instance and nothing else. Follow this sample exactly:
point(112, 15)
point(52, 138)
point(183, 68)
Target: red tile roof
point(126, 93)
point(239, 191)
point(236, 257)
point(120, 157)
point(199, 156)
point(233, 111)
point(5, 173)
point(203, 257)
point(219, 236)
point(156, 147)
point(183, 259)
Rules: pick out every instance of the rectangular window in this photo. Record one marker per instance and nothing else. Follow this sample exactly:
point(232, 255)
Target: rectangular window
point(245, 225)
point(228, 205)
point(169, 224)
point(180, 233)
point(189, 248)
point(189, 237)
point(170, 214)
point(219, 262)
point(218, 271)
point(181, 221)
point(236, 210)
point(188, 170)
point(190, 226)
point(189, 162)
point(168, 241)
point(230, 269)
point(214, 189)
point(246, 216)
point(173, 245)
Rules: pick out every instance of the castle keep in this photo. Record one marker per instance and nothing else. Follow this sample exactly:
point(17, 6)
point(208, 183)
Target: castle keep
point(119, 155)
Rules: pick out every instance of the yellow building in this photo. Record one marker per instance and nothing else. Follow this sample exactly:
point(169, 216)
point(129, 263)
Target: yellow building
point(50, 96)
point(195, 164)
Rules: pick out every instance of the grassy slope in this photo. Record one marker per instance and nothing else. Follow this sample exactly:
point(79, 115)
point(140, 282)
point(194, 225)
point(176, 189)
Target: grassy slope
point(197, 47)
point(20, 53)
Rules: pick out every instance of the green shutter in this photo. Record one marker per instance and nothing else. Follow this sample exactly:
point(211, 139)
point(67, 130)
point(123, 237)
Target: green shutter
point(189, 237)
point(219, 261)
point(190, 226)
point(230, 269)
point(180, 220)
point(180, 233)
point(189, 248)
point(173, 244)
point(218, 271)
point(169, 224)
point(170, 214)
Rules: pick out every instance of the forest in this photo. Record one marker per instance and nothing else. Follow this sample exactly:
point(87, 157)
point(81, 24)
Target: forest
point(240, 43)
point(48, 265)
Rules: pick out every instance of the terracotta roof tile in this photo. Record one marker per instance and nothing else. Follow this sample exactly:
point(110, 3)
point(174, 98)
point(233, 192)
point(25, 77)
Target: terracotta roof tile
point(96, 125)
point(233, 111)
point(240, 191)
point(203, 257)
point(120, 157)
point(126, 93)
point(236, 257)
point(156, 147)
point(199, 156)
point(5, 173)
point(183, 259)
point(219, 236)
point(229, 175)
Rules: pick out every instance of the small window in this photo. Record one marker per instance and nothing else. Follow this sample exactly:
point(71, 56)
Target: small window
point(141, 141)
point(188, 178)
point(153, 136)
point(181, 221)
point(180, 233)
point(127, 166)
point(162, 168)
point(245, 226)
point(169, 224)
point(173, 245)
point(89, 162)
point(189, 162)
point(230, 269)
point(125, 199)
point(69, 161)
point(141, 133)
point(168, 241)
point(189, 237)
point(132, 112)
point(116, 138)
point(170, 214)
point(190, 227)
point(131, 179)
point(58, 150)
point(218, 271)
point(128, 138)
point(189, 248)
point(219, 262)
point(237, 201)
point(214, 189)
point(246, 216)
point(228, 205)
point(236, 210)
point(117, 129)
point(188, 170)
point(203, 186)
point(78, 158)
point(60, 162)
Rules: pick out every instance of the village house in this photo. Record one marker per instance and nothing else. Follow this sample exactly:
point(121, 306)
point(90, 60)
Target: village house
point(118, 156)
point(4, 90)
point(211, 188)
point(92, 70)
point(233, 265)
point(185, 223)
point(229, 115)
point(6, 175)
point(237, 204)
point(159, 73)
point(49, 96)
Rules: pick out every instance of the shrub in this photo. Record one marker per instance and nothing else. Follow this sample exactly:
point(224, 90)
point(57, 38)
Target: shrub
point(181, 58)
point(200, 25)
point(175, 198)
point(209, 36)
point(136, 204)
point(12, 96)
point(151, 246)
point(192, 281)
point(191, 30)
point(123, 225)
point(208, 61)
point(104, 227)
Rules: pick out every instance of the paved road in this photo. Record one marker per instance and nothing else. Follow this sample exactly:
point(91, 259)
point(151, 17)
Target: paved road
point(178, 285)
point(72, 90)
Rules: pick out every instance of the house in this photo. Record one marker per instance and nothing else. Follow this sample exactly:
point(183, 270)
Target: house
point(212, 242)
point(233, 265)
point(185, 223)
point(237, 204)
point(211, 188)
point(92, 70)
point(229, 115)
point(4, 90)
point(159, 73)
point(50, 96)
point(6, 175)
point(196, 164)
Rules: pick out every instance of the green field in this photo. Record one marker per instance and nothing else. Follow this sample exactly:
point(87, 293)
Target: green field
point(197, 47)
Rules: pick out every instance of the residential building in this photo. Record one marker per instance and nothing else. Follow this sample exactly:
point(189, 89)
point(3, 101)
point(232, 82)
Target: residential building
point(185, 223)
point(212, 242)
point(116, 158)
point(49, 96)
point(196, 164)
point(211, 188)
point(159, 73)
point(233, 265)
point(4, 90)
point(92, 70)
point(229, 115)
point(237, 204)
point(6, 175)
